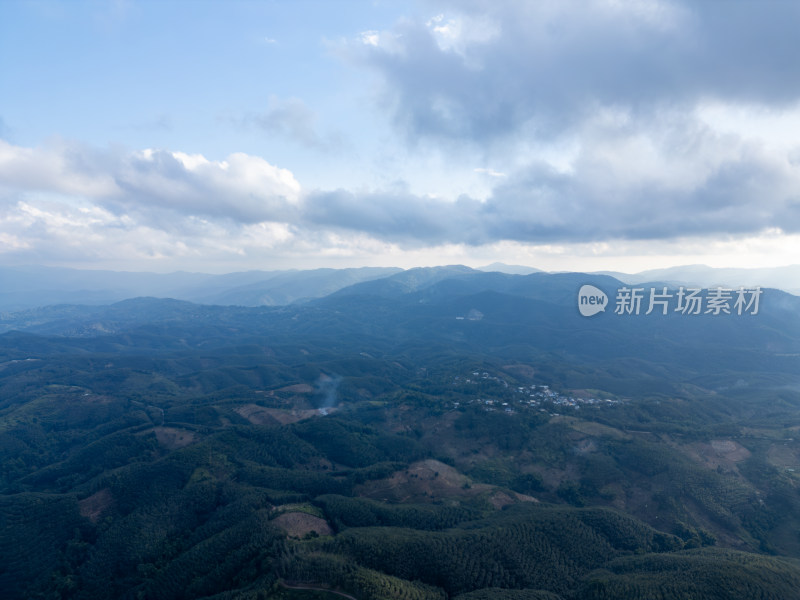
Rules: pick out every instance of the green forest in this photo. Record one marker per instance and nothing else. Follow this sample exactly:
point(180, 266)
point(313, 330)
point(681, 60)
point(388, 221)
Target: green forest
point(376, 448)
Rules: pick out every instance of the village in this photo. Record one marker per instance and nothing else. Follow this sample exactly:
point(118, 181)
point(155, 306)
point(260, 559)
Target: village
point(510, 398)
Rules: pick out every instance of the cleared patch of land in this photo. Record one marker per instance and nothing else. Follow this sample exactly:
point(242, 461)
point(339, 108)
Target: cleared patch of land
point(718, 453)
point(423, 481)
point(297, 388)
point(95, 505)
point(172, 438)
point(784, 456)
point(300, 524)
point(592, 428)
point(261, 415)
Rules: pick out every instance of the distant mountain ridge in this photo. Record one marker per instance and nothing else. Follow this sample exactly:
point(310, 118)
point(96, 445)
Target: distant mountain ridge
point(510, 269)
point(784, 278)
point(23, 288)
point(30, 287)
point(514, 316)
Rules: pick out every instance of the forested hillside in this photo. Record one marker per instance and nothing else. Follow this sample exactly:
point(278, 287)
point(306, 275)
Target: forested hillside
point(433, 434)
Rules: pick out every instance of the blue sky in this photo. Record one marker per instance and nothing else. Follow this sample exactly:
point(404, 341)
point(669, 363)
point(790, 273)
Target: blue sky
point(225, 136)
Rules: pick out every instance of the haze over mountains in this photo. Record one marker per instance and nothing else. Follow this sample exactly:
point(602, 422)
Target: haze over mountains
point(29, 287)
point(784, 278)
point(453, 309)
point(425, 434)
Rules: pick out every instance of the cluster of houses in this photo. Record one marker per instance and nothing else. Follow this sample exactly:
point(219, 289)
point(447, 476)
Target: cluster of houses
point(513, 398)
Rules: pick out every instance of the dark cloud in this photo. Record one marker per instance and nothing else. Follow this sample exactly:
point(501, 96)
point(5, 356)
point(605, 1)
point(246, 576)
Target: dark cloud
point(549, 66)
point(624, 82)
point(572, 209)
point(398, 217)
point(542, 206)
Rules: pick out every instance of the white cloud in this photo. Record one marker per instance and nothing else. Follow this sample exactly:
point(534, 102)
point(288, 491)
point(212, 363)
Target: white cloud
point(370, 38)
point(241, 187)
point(490, 172)
point(388, 41)
point(459, 32)
point(609, 125)
point(674, 179)
point(58, 167)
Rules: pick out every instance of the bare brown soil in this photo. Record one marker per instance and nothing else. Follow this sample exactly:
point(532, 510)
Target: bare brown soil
point(260, 415)
point(257, 415)
point(299, 524)
point(784, 456)
point(591, 428)
point(423, 481)
point(95, 505)
point(718, 453)
point(297, 388)
point(172, 438)
point(502, 499)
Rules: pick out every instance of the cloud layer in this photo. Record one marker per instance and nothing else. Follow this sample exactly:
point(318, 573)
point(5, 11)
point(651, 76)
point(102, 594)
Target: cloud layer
point(593, 122)
point(241, 187)
point(495, 68)
point(627, 188)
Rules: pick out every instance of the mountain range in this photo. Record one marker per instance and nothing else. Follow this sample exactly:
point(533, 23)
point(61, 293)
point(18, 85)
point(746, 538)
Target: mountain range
point(439, 432)
point(34, 286)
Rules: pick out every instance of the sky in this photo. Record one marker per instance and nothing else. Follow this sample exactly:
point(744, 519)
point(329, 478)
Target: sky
point(211, 136)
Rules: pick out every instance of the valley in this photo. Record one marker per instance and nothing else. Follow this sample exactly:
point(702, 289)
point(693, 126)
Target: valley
point(371, 444)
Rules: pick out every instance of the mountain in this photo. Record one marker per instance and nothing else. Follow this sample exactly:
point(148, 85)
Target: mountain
point(510, 269)
point(784, 278)
point(289, 286)
point(509, 316)
point(30, 287)
point(436, 433)
point(406, 281)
